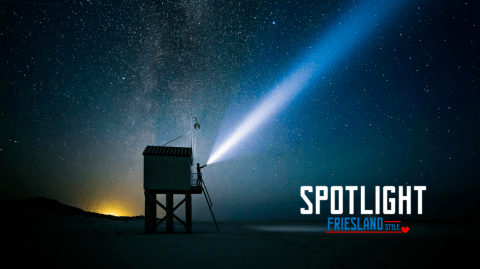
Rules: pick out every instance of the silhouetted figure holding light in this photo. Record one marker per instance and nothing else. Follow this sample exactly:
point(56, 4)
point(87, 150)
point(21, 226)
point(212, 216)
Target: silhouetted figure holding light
point(199, 174)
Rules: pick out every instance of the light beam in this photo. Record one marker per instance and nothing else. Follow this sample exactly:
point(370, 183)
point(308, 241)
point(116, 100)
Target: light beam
point(351, 30)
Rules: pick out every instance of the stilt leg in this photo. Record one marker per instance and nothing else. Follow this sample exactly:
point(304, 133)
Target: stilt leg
point(150, 213)
point(188, 211)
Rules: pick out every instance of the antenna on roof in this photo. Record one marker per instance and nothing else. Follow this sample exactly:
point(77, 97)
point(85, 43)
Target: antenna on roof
point(195, 126)
point(176, 139)
point(192, 126)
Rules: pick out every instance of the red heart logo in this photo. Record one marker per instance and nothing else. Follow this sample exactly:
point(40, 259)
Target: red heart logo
point(405, 229)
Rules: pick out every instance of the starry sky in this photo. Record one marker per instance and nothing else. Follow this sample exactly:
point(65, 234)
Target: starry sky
point(86, 85)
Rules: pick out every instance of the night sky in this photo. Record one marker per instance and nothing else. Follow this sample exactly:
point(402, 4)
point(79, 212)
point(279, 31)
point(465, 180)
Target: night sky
point(86, 85)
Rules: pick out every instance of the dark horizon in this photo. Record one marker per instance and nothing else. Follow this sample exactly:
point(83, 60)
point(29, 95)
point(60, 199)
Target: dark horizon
point(42, 205)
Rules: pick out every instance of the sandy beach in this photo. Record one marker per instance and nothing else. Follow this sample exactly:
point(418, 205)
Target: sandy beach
point(80, 241)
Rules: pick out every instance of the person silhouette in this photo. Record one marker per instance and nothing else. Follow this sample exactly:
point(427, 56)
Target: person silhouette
point(199, 174)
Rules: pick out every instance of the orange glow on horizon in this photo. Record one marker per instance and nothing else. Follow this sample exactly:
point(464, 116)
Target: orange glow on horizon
point(114, 208)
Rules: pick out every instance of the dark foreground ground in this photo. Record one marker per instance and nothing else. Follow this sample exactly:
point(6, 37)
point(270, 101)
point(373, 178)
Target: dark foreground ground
point(90, 242)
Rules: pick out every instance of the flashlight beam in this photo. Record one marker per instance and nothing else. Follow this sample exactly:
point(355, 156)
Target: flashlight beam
point(279, 97)
point(349, 32)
